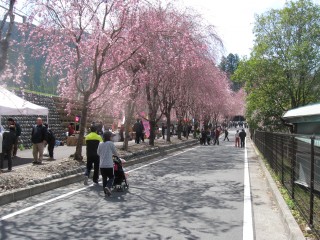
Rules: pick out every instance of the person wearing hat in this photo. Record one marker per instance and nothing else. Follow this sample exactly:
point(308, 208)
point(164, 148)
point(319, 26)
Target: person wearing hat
point(92, 142)
point(106, 150)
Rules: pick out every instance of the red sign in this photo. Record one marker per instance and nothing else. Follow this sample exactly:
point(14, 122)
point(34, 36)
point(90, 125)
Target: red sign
point(77, 119)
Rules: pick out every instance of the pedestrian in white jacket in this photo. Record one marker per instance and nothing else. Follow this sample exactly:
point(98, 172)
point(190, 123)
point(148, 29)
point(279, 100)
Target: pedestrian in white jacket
point(106, 150)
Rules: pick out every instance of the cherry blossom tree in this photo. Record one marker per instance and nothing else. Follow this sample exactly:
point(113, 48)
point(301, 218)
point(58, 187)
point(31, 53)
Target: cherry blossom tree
point(85, 43)
point(172, 44)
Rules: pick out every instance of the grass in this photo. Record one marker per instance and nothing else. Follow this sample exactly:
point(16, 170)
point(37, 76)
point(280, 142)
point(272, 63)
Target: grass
point(34, 92)
point(21, 147)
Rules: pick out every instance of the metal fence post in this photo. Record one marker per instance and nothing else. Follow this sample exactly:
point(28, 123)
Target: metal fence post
point(276, 167)
point(293, 165)
point(282, 161)
point(312, 183)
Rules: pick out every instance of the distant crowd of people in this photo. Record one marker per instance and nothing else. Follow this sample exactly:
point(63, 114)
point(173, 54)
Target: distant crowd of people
point(208, 136)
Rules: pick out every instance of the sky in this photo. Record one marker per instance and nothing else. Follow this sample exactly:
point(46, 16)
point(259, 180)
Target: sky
point(233, 19)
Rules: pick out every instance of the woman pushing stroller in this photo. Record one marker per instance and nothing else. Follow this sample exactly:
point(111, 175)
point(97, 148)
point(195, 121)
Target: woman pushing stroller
point(106, 150)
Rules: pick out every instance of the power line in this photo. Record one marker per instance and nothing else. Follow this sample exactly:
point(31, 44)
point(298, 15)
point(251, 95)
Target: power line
point(24, 17)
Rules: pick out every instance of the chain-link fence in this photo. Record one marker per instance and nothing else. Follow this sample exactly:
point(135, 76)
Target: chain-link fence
point(295, 159)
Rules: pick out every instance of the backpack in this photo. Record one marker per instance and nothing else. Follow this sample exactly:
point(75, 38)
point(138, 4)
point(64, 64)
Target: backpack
point(50, 136)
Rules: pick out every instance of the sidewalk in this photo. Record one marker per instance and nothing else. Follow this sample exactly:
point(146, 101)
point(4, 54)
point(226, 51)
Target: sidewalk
point(272, 218)
point(25, 156)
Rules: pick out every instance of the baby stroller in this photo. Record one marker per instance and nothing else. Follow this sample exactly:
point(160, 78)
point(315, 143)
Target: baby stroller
point(120, 180)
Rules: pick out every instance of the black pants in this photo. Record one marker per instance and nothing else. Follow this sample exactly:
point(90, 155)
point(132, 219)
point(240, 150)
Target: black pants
point(15, 146)
point(242, 142)
point(226, 137)
point(50, 149)
point(216, 141)
point(93, 160)
point(6, 152)
point(107, 177)
point(138, 136)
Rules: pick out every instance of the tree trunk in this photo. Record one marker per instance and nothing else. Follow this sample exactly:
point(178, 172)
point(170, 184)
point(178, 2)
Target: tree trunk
point(168, 126)
point(179, 130)
point(4, 41)
point(129, 113)
point(152, 132)
point(83, 123)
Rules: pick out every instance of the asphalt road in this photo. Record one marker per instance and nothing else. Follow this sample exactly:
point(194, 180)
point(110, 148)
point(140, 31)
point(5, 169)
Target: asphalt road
point(195, 194)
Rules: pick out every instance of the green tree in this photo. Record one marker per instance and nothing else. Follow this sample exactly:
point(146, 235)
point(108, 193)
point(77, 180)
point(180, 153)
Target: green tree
point(283, 70)
point(229, 65)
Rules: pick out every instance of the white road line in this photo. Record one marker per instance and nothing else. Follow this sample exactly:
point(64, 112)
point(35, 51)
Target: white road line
point(81, 189)
point(146, 165)
point(247, 201)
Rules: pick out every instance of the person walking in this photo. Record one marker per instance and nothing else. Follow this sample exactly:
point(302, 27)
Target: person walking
point(142, 131)
point(226, 133)
point(38, 139)
point(92, 142)
point(163, 130)
point(203, 137)
point(12, 122)
point(71, 129)
point(208, 137)
point(216, 135)
point(7, 146)
point(213, 135)
point(138, 129)
point(106, 150)
point(51, 140)
point(242, 136)
point(237, 139)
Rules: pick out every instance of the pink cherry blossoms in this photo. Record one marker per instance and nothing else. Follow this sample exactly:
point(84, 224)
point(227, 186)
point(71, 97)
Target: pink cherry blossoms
point(125, 58)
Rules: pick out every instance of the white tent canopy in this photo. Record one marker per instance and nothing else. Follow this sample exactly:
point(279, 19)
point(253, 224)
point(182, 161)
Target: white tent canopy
point(11, 104)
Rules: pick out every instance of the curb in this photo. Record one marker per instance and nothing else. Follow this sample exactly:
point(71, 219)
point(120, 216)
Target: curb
point(291, 225)
point(76, 175)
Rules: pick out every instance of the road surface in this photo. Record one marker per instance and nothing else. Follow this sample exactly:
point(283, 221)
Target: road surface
point(199, 193)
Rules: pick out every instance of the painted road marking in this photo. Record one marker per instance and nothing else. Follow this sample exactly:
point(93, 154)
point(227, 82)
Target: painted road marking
point(247, 201)
point(81, 189)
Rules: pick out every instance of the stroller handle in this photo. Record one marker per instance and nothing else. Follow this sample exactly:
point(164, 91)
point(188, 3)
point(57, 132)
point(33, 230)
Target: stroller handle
point(116, 159)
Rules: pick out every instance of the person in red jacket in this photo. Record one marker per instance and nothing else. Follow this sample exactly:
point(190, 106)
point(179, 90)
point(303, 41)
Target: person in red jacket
point(70, 129)
point(216, 135)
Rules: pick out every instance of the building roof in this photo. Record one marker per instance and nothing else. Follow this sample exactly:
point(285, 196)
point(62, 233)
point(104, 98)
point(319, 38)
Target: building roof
point(312, 110)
